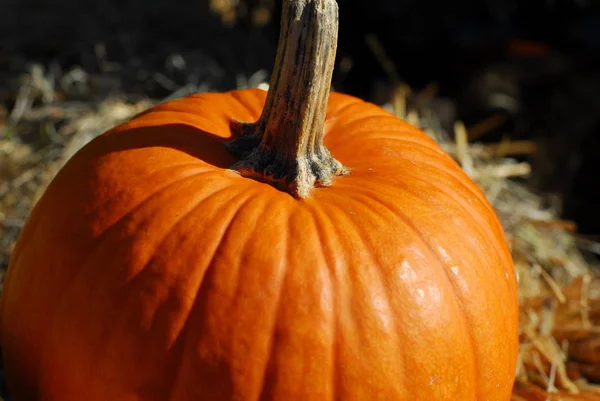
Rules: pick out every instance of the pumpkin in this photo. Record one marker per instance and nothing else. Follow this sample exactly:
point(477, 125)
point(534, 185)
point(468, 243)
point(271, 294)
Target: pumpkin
point(290, 245)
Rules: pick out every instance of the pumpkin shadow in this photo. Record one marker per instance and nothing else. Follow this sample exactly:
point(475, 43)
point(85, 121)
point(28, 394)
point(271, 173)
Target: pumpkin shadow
point(203, 145)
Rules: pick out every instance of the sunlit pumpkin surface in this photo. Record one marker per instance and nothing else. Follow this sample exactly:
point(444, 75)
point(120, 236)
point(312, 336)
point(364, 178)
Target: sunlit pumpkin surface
point(150, 271)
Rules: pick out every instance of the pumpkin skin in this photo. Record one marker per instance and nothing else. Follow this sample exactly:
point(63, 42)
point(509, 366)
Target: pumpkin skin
point(148, 270)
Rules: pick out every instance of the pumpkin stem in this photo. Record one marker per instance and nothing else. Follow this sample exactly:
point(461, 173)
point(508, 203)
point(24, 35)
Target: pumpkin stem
point(285, 146)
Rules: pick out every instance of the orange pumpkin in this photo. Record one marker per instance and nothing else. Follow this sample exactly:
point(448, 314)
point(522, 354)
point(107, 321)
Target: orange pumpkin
point(151, 270)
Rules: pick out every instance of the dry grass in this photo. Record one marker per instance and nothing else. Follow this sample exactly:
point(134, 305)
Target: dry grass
point(559, 283)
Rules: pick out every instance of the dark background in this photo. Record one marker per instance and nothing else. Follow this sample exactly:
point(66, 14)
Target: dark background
point(541, 55)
